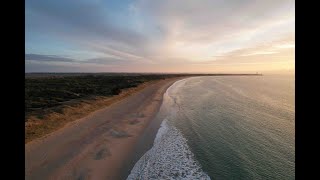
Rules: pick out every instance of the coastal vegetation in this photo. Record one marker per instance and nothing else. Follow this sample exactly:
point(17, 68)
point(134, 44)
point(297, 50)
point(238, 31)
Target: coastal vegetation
point(43, 93)
point(52, 100)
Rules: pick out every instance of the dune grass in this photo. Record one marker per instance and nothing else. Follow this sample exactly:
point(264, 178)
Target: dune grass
point(51, 102)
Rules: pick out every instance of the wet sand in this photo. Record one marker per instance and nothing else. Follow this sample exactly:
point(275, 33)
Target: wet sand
point(100, 146)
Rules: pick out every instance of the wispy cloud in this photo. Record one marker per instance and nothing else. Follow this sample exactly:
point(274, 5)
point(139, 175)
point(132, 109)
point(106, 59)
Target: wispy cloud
point(76, 18)
point(260, 53)
point(108, 61)
point(52, 58)
point(285, 46)
point(157, 34)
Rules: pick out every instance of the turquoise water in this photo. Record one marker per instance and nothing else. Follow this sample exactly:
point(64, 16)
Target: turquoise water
point(224, 128)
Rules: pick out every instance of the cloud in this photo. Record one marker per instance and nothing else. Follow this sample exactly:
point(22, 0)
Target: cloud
point(286, 46)
point(66, 67)
point(195, 31)
point(158, 34)
point(79, 21)
point(53, 58)
point(108, 61)
point(65, 61)
point(212, 19)
point(259, 53)
point(266, 53)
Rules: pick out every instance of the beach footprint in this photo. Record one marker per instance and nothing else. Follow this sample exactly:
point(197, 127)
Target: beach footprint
point(102, 153)
point(137, 115)
point(134, 121)
point(83, 175)
point(119, 134)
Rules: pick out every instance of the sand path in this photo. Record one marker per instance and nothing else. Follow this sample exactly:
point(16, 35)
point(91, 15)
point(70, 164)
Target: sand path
point(97, 146)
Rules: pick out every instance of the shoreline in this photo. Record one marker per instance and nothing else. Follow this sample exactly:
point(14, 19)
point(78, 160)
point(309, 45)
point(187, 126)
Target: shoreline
point(100, 145)
point(35, 129)
point(147, 137)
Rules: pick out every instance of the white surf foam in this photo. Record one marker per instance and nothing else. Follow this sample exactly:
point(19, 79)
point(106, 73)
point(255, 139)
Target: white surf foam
point(169, 158)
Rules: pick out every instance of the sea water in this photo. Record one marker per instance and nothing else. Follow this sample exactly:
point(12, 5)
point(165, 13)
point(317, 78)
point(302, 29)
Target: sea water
point(224, 127)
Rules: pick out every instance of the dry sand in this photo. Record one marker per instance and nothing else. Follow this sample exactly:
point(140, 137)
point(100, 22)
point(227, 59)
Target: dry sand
point(99, 145)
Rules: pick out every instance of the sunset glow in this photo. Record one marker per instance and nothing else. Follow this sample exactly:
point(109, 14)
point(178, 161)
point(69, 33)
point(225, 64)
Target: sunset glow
point(160, 36)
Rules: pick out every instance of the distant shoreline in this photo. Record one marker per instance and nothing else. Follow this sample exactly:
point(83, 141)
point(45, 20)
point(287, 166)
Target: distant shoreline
point(60, 74)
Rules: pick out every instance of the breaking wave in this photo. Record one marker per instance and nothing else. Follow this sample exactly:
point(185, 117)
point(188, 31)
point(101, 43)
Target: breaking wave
point(169, 158)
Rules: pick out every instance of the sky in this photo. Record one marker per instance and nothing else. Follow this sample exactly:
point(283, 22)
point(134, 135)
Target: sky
point(193, 36)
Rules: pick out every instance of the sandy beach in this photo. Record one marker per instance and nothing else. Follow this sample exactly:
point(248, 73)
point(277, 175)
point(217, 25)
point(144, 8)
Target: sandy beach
point(100, 145)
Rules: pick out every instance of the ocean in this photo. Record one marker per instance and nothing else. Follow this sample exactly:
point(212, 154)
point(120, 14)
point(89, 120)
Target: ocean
point(224, 127)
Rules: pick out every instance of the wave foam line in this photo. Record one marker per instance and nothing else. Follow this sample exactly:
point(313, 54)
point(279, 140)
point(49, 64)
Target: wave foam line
point(169, 158)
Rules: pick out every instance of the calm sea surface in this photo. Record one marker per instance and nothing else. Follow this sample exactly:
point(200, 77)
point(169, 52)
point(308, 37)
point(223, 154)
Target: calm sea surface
point(240, 127)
